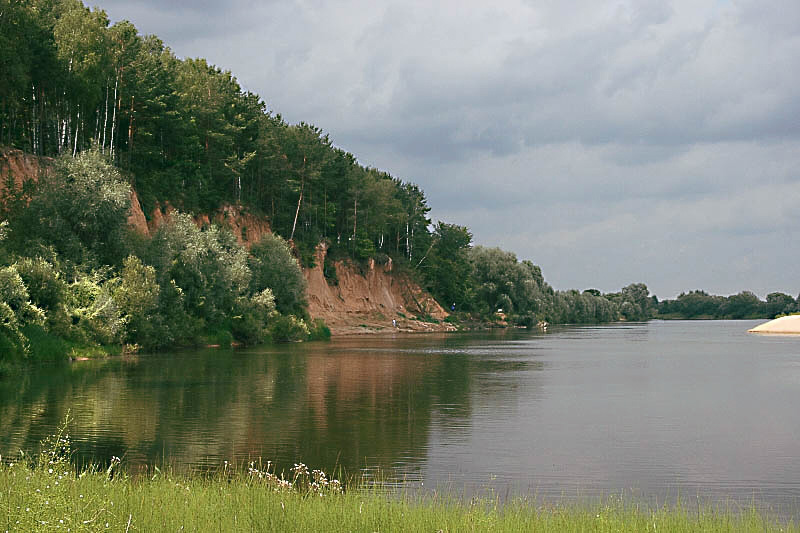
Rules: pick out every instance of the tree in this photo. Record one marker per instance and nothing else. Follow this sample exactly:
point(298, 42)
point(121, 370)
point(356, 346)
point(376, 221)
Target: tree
point(779, 303)
point(446, 266)
point(207, 266)
point(79, 208)
point(743, 305)
point(275, 268)
point(16, 312)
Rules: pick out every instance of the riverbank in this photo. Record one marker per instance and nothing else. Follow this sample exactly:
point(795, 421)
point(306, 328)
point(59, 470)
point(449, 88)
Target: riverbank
point(51, 496)
point(786, 325)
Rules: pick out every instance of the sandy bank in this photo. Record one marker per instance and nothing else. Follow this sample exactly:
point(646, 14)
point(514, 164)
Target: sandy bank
point(785, 324)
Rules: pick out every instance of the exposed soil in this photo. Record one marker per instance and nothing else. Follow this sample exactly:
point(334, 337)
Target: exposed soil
point(368, 302)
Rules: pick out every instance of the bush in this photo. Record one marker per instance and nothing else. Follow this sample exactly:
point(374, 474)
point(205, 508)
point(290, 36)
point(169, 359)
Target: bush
point(320, 331)
point(329, 271)
point(202, 274)
point(44, 345)
point(46, 288)
point(218, 336)
point(16, 311)
point(137, 296)
point(288, 329)
point(275, 268)
point(249, 325)
point(80, 208)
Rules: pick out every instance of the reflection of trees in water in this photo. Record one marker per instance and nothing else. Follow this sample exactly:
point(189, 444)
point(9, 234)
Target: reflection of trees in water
point(351, 403)
point(351, 408)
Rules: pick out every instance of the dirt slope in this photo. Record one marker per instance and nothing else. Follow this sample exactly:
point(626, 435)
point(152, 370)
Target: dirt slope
point(367, 303)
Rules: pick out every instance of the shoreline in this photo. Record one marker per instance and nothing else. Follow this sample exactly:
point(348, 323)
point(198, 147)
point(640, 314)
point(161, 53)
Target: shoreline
point(52, 494)
point(785, 325)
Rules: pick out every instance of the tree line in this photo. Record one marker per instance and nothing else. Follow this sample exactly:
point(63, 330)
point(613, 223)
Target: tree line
point(185, 132)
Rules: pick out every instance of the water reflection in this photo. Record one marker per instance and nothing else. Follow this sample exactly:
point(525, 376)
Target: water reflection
point(351, 403)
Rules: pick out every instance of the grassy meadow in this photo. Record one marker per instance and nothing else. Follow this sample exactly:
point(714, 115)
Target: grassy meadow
point(46, 493)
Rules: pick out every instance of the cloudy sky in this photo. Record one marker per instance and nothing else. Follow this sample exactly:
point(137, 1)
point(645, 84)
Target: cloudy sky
point(610, 142)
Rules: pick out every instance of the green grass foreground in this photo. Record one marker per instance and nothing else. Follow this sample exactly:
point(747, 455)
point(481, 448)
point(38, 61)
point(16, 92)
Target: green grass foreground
point(48, 495)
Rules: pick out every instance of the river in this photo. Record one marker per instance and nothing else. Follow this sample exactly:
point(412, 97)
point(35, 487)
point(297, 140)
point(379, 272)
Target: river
point(655, 411)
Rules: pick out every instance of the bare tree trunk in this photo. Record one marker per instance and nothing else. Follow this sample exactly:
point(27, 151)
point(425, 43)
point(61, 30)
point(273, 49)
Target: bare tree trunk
point(105, 124)
point(130, 132)
point(355, 216)
point(114, 119)
point(33, 119)
point(77, 125)
point(297, 212)
point(408, 246)
point(300, 199)
point(412, 243)
point(96, 136)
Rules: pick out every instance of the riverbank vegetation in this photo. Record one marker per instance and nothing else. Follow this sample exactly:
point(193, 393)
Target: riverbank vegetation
point(47, 493)
point(76, 281)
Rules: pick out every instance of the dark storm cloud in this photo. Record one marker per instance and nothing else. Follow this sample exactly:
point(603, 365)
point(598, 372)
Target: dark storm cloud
point(610, 142)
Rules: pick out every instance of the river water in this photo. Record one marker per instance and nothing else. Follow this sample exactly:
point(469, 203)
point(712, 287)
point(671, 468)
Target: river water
point(656, 411)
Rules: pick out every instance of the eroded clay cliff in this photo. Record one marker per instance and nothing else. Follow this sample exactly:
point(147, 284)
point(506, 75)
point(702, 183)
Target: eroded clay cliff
point(368, 302)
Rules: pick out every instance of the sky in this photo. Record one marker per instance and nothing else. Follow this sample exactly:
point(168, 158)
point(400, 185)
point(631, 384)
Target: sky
point(609, 142)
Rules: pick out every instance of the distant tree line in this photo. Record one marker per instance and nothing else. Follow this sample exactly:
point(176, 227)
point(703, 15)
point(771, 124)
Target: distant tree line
point(485, 281)
point(699, 304)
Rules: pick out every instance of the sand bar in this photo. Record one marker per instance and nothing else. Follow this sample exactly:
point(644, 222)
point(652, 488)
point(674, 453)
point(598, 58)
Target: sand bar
point(785, 324)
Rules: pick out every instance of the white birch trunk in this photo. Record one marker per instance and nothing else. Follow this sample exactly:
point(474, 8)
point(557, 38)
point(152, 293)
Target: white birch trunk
point(105, 124)
point(113, 119)
point(77, 125)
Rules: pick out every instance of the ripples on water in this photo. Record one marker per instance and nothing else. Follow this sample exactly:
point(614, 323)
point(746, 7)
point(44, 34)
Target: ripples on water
point(659, 410)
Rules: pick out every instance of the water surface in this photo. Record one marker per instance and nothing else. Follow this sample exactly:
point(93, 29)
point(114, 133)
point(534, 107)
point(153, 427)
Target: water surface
point(658, 410)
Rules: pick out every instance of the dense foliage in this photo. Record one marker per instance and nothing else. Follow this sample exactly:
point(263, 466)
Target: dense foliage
point(74, 280)
point(699, 304)
point(186, 133)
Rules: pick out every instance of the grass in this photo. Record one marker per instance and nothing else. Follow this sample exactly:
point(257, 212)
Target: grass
point(47, 494)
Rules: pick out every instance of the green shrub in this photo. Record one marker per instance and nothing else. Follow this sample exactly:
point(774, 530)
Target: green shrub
point(320, 331)
point(45, 285)
point(218, 336)
point(45, 345)
point(329, 271)
point(208, 266)
point(249, 324)
point(137, 296)
point(80, 208)
point(288, 328)
point(16, 311)
point(95, 317)
point(275, 268)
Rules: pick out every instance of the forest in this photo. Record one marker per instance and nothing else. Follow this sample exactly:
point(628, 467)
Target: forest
point(118, 110)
